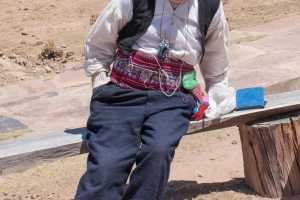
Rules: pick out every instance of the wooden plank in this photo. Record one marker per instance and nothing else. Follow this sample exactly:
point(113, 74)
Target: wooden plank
point(22, 153)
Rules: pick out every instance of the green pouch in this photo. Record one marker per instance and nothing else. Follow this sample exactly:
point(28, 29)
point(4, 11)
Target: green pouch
point(189, 81)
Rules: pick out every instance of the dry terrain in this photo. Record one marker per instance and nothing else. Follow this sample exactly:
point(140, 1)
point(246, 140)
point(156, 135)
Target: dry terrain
point(40, 39)
point(43, 38)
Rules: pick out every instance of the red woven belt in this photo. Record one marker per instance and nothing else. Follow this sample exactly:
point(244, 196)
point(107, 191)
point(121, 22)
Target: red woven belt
point(141, 71)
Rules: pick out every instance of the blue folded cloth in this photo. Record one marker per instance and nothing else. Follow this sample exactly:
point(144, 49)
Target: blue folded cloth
point(250, 98)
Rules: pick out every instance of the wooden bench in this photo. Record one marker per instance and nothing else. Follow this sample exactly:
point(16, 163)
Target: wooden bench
point(25, 152)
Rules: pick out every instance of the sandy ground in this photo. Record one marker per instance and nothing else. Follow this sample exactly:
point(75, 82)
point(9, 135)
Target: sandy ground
point(207, 166)
point(28, 26)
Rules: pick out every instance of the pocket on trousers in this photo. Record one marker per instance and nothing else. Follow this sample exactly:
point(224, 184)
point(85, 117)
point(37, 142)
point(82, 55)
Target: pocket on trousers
point(188, 98)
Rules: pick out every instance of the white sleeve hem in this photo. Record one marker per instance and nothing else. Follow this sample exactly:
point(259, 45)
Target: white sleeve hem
point(99, 79)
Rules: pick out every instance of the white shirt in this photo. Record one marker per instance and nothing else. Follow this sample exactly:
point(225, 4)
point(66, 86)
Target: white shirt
point(180, 27)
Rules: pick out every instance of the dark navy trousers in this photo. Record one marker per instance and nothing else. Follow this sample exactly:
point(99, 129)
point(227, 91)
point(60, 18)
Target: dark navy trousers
point(127, 127)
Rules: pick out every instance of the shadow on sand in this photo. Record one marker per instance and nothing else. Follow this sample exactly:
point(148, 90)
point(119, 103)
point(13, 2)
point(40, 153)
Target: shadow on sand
point(188, 190)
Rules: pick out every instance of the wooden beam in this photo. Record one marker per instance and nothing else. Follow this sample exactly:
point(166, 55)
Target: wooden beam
point(23, 153)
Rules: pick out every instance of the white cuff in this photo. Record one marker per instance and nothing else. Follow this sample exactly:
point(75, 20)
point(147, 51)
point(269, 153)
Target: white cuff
point(100, 78)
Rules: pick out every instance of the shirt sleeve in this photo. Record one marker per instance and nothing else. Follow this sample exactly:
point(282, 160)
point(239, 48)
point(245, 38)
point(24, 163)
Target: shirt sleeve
point(100, 45)
point(215, 66)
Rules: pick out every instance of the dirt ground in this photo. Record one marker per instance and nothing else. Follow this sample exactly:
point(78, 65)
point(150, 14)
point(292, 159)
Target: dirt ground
point(32, 30)
point(206, 167)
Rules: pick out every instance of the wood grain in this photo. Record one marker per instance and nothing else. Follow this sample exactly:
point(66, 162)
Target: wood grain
point(271, 155)
point(21, 154)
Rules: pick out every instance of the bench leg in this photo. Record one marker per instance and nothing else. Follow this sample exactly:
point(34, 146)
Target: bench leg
point(271, 153)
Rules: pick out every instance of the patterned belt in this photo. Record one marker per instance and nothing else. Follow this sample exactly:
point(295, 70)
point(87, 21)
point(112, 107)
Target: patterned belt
point(142, 71)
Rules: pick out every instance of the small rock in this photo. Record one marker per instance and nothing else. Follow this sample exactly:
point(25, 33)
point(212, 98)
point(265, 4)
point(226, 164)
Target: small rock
point(59, 59)
point(93, 19)
point(25, 9)
point(1, 54)
point(59, 53)
point(38, 43)
point(12, 57)
point(234, 142)
point(48, 69)
point(64, 61)
point(21, 61)
point(77, 67)
point(23, 33)
point(70, 54)
point(199, 175)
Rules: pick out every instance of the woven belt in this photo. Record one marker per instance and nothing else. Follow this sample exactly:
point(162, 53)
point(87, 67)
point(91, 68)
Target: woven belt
point(142, 71)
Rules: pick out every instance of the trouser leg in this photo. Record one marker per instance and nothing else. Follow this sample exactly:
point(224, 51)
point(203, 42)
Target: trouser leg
point(166, 122)
point(112, 140)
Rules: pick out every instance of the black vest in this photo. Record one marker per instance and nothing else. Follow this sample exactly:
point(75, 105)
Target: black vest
point(143, 12)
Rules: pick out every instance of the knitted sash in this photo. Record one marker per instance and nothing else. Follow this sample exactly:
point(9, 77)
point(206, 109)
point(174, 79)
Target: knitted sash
point(142, 71)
